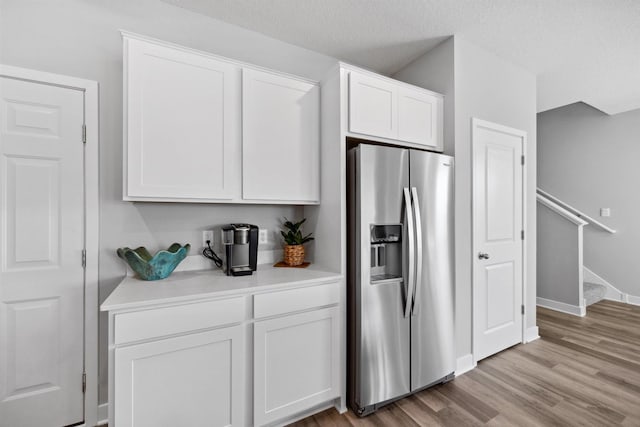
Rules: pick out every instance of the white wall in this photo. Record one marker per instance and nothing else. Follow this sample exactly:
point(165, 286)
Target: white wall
point(591, 160)
point(490, 88)
point(80, 38)
point(487, 87)
point(559, 258)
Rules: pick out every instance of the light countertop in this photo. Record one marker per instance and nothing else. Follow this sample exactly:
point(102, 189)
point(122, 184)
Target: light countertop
point(187, 286)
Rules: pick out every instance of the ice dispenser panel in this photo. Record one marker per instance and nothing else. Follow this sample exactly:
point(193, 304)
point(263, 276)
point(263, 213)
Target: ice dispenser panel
point(386, 253)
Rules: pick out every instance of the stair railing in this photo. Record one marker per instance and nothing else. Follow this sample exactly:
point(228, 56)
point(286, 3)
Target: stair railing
point(559, 209)
point(560, 257)
point(574, 211)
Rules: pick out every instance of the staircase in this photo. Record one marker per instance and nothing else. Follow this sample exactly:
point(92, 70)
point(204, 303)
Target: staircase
point(562, 284)
point(593, 292)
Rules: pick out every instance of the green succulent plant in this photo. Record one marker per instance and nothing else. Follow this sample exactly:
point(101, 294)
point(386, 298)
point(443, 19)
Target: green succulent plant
point(294, 236)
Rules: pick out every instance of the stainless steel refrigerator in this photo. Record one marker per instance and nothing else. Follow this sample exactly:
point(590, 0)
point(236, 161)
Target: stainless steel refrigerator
point(400, 298)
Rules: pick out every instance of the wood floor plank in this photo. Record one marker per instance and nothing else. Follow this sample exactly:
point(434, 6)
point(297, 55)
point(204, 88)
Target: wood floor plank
point(392, 416)
point(533, 408)
point(589, 392)
point(469, 402)
point(509, 410)
point(581, 372)
point(454, 417)
point(418, 411)
point(434, 401)
point(331, 419)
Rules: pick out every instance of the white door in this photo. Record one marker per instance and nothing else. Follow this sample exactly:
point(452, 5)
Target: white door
point(280, 138)
point(190, 380)
point(41, 240)
point(497, 237)
point(296, 364)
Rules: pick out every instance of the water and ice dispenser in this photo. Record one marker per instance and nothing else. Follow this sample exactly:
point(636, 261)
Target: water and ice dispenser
point(386, 253)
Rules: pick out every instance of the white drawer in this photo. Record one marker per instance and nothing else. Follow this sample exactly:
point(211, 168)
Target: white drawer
point(281, 302)
point(158, 322)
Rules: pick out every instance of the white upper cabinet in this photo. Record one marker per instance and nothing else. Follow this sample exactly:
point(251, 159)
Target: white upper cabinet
point(420, 117)
point(182, 124)
point(202, 128)
point(373, 106)
point(384, 108)
point(280, 138)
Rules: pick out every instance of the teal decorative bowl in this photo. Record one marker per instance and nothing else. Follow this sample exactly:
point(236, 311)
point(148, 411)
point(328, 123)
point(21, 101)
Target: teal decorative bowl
point(156, 267)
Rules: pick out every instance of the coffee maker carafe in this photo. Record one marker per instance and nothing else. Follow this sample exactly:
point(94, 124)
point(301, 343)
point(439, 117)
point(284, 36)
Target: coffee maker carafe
point(241, 249)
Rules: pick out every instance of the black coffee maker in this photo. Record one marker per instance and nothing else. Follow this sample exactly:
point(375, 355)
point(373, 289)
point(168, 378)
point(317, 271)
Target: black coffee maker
point(241, 249)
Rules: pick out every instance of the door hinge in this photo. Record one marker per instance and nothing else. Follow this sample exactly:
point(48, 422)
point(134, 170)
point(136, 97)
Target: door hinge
point(522, 309)
point(84, 382)
point(84, 134)
point(522, 160)
point(84, 258)
point(522, 234)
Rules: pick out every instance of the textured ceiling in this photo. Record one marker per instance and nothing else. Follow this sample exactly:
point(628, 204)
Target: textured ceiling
point(581, 50)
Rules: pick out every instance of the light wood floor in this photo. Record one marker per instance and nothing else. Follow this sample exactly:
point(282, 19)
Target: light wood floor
point(582, 372)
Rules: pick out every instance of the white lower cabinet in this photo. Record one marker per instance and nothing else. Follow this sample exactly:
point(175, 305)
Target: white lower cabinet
point(190, 380)
point(189, 363)
point(296, 364)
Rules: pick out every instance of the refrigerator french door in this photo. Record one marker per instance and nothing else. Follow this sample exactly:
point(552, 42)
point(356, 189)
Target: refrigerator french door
point(401, 333)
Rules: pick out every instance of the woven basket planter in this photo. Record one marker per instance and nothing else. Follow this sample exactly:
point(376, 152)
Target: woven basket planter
point(293, 255)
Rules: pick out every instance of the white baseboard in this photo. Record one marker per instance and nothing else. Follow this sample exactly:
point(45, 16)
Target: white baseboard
point(530, 334)
point(613, 293)
point(632, 299)
point(464, 364)
point(561, 306)
point(103, 414)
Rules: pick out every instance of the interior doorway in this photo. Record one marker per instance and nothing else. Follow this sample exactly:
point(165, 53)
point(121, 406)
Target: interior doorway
point(49, 236)
point(498, 237)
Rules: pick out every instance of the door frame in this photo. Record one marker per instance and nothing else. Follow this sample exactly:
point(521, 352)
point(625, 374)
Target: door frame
point(475, 124)
point(92, 220)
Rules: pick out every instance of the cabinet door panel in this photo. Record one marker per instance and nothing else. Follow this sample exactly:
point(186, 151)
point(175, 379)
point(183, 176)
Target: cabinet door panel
point(182, 120)
point(188, 380)
point(280, 138)
point(420, 118)
point(373, 106)
point(296, 364)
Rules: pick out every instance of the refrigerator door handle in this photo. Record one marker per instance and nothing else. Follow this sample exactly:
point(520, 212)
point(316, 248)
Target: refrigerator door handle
point(412, 256)
point(418, 236)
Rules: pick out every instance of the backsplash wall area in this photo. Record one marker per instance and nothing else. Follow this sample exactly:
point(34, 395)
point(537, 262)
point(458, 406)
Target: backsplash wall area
point(188, 221)
point(87, 44)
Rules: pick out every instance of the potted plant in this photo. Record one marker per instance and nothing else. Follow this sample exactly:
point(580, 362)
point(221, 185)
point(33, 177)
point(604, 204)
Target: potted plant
point(294, 241)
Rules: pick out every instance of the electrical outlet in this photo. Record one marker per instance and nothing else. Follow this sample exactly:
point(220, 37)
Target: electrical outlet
point(263, 236)
point(207, 235)
point(605, 212)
